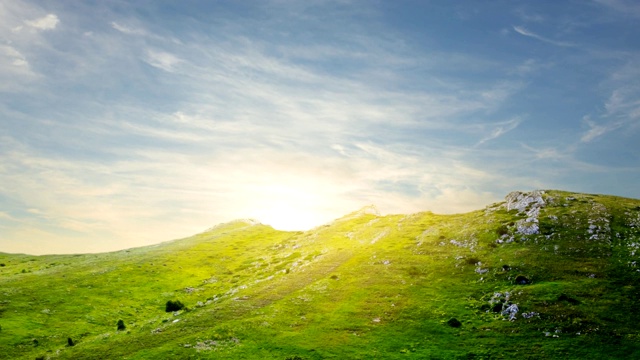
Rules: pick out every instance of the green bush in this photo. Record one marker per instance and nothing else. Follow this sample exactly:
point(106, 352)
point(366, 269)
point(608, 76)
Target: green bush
point(121, 325)
point(472, 260)
point(174, 306)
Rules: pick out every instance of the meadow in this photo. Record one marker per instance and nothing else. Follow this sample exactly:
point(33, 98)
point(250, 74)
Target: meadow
point(543, 275)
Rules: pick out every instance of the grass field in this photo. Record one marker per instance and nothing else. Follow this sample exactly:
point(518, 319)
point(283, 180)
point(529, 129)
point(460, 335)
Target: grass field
point(552, 275)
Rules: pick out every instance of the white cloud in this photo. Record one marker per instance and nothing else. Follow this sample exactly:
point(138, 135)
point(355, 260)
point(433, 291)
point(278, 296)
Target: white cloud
point(524, 32)
point(596, 130)
point(127, 30)
point(500, 129)
point(305, 130)
point(162, 60)
point(48, 22)
point(547, 153)
point(14, 69)
point(13, 57)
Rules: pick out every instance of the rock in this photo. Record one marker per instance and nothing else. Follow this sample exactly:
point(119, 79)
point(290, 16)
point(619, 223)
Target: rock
point(522, 280)
point(528, 226)
point(511, 311)
point(529, 315)
point(453, 322)
point(530, 204)
point(520, 201)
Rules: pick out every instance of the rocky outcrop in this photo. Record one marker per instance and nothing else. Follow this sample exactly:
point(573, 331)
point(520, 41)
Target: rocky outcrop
point(521, 200)
point(528, 204)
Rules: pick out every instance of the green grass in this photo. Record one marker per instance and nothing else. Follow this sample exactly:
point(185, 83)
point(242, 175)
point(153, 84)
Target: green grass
point(361, 287)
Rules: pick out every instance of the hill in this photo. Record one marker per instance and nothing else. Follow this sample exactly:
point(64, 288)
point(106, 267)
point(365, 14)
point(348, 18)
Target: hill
point(542, 275)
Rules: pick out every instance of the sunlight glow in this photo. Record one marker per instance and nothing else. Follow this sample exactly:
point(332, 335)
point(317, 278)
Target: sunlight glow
point(291, 208)
point(286, 216)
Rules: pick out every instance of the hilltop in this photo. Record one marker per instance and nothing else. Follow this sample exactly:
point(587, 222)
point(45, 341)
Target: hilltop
point(542, 275)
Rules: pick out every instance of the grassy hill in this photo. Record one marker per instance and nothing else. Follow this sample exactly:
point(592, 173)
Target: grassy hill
point(542, 275)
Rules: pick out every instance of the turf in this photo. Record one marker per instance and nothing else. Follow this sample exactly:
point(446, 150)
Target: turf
point(361, 287)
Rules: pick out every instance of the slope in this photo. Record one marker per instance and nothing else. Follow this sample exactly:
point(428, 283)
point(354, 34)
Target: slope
point(542, 275)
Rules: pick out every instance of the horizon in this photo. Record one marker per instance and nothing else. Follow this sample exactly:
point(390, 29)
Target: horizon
point(130, 124)
point(251, 222)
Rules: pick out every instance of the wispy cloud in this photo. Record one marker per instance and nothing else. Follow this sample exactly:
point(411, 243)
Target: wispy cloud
point(47, 22)
point(621, 108)
point(127, 30)
point(13, 61)
point(144, 131)
point(524, 32)
point(162, 60)
point(547, 153)
point(596, 130)
point(625, 7)
point(499, 129)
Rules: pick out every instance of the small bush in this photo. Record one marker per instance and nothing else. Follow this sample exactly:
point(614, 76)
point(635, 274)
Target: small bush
point(453, 322)
point(472, 260)
point(70, 342)
point(121, 325)
point(174, 306)
point(502, 230)
point(569, 299)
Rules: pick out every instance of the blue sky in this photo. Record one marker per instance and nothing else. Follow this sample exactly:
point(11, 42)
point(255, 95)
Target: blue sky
point(127, 123)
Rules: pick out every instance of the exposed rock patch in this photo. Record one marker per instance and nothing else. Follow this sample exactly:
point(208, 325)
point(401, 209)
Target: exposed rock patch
point(528, 204)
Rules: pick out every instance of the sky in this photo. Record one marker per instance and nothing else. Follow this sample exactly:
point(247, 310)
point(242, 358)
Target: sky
point(129, 123)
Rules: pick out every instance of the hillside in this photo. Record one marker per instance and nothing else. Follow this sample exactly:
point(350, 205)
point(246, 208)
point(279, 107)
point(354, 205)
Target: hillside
point(542, 275)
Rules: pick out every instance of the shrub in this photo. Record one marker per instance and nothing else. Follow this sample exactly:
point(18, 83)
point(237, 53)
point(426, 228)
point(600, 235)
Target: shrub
point(569, 299)
point(453, 322)
point(472, 260)
point(174, 306)
point(121, 325)
point(70, 342)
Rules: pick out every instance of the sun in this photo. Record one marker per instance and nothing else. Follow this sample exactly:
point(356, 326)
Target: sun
point(292, 208)
point(290, 217)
